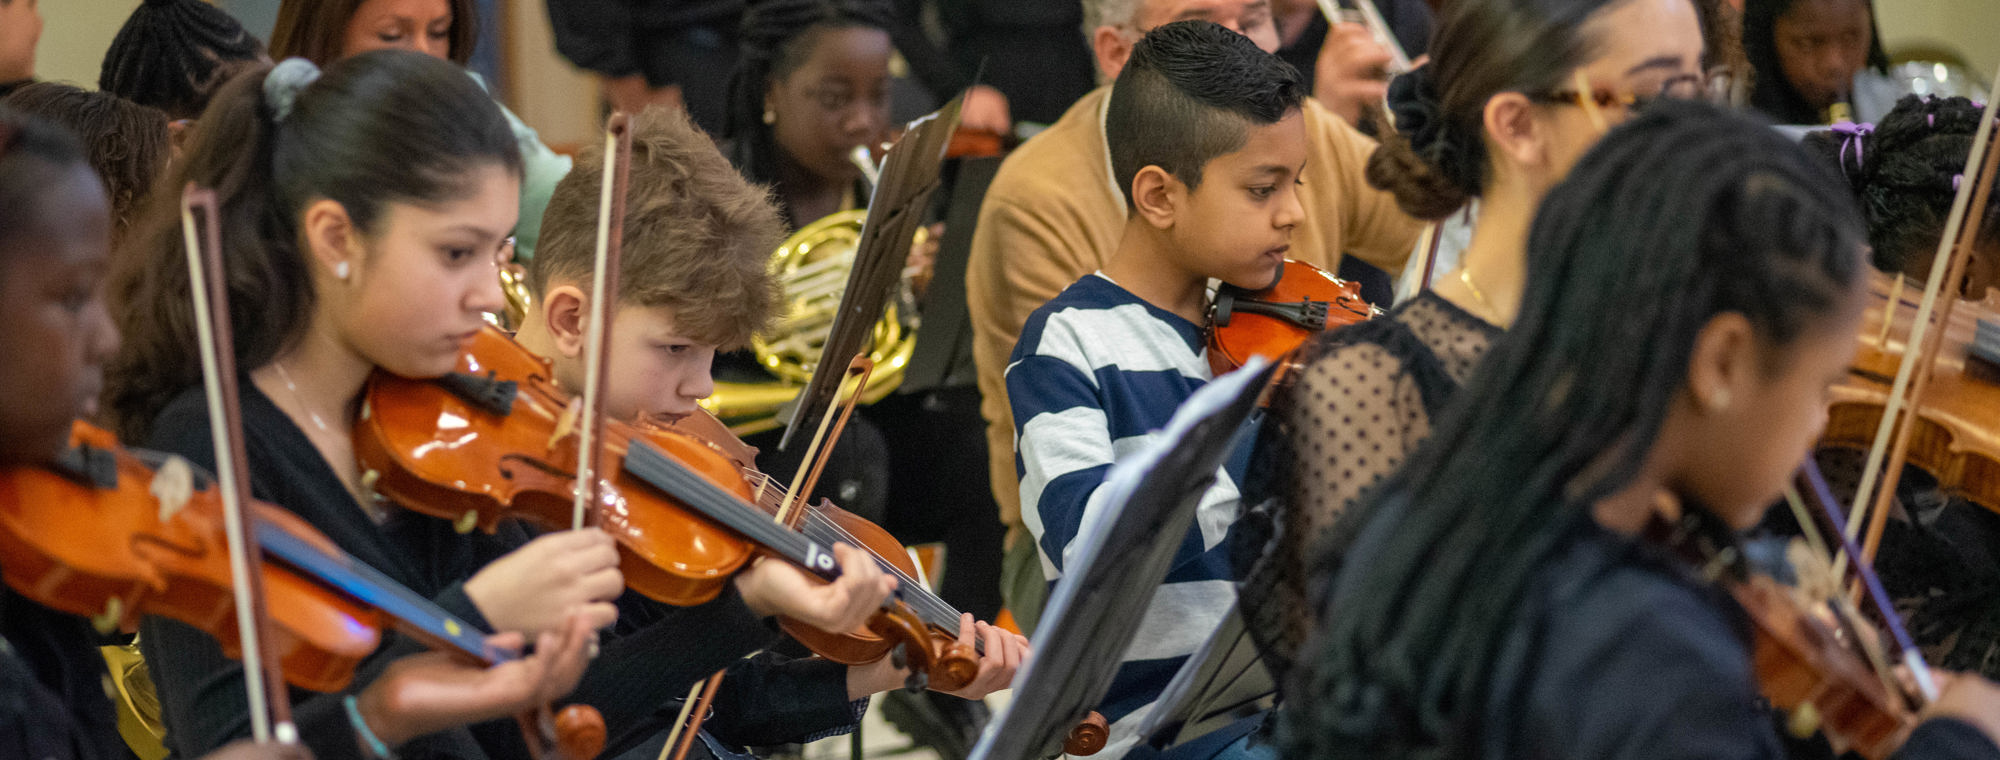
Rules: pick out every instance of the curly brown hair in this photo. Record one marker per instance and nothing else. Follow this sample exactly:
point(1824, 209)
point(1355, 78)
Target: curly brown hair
point(698, 236)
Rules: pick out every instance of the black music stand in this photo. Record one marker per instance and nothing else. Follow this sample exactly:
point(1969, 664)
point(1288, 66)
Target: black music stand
point(1096, 607)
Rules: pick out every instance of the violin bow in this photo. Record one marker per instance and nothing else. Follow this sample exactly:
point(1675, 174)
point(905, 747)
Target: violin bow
point(603, 288)
point(263, 678)
point(1812, 484)
point(682, 736)
point(1914, 372)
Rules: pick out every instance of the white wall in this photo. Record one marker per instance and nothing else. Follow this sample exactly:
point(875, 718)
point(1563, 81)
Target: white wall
point(75, 34)
point(1972, 27)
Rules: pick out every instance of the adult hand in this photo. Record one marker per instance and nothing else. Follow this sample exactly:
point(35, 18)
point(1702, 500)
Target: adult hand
point(986, 110)
point(1352, 71)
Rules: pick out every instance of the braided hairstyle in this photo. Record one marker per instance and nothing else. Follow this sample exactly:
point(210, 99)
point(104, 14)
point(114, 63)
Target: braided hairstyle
point(1435, 160)
point(776, 38)
point(173, 54)
point(127, 143)
point(1905, 174)
point(1684, 213)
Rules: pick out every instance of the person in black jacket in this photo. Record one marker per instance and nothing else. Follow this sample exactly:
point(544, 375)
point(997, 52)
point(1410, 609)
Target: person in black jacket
point(1695, 286)
point(680, 54)
point(364, 214)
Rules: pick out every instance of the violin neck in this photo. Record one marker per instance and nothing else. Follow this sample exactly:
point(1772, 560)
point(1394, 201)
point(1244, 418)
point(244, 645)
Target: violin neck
point(656, 469)
point(414, 614)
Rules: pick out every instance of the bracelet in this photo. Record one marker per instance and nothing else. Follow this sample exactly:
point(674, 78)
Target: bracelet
point(371, 744)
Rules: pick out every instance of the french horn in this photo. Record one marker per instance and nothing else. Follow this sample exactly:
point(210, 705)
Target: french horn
point(813, 265)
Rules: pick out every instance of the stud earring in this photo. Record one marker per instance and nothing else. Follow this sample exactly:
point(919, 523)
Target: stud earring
point(770, 116)
point(340, 270)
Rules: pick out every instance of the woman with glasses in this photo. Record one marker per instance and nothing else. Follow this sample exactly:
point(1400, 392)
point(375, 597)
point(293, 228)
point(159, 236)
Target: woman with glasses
point(1515, 92)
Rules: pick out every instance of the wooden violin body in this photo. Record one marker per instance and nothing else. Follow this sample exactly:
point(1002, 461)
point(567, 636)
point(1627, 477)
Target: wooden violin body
point(1956, 437)
point(114, 543)
point(952, 665)
point(493, 442)
point(1305, 301)
point(1805, 670)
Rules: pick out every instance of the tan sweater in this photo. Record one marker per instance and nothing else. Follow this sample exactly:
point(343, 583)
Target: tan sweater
point(1053, 215)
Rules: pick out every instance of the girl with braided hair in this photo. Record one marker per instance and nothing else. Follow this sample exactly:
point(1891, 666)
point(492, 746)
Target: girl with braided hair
point(127, 144)
point(1695, 287)
point(1515, 92)
point(1905, 172)
point(173, 54)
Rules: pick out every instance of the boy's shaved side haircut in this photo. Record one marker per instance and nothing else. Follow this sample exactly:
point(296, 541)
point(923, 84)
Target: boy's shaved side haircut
point(698, 237)
point(1187, 94)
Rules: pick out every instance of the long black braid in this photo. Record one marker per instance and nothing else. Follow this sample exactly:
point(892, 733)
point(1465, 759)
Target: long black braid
point(1684, 213)
point(172, 54)
point(1905, 173)
point(773, 45)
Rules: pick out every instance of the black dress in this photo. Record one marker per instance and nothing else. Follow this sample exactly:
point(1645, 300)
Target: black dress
point(1361, 401)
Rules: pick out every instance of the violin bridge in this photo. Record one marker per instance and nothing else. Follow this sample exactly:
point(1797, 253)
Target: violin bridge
point(172, 486)
point(566, 424)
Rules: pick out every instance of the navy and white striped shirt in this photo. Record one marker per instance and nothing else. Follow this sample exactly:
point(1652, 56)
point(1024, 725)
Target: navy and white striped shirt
point(1097, 373)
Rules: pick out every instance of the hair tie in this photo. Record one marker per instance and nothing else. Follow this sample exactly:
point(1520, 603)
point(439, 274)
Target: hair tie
point(1852, 137)
point(283, 85)
point(1955, 180)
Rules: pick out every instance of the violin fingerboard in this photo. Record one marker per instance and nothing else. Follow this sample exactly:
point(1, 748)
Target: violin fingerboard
point(413, 613)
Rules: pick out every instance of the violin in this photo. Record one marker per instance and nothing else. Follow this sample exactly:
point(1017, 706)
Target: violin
point(115, 534)
point(1304, 302)
point(829, 524)
point(496, 440)
point(1956, 439)
point(1804, 666)
point(578, 732)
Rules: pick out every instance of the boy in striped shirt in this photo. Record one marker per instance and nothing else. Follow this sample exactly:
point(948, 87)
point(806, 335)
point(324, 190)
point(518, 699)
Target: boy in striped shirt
point(1207, 144)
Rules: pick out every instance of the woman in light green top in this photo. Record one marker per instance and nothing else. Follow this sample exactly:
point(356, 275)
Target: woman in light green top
point(324, 31)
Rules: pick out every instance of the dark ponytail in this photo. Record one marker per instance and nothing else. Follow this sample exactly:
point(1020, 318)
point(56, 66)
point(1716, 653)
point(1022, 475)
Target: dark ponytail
point(1435, 159)
point(773, 45)
point(1683, 213)
point(383, 127)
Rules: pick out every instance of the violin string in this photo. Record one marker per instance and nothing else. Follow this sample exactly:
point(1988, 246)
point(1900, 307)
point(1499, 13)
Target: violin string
point(919, 596)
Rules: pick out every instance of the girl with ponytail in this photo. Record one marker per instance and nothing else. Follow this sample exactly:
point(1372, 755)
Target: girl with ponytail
point(1515, 92)
point(364, 213)
point(1695, 286)
point(55, 236)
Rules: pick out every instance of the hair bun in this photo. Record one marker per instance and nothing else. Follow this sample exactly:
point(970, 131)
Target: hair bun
point(1414, 102)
